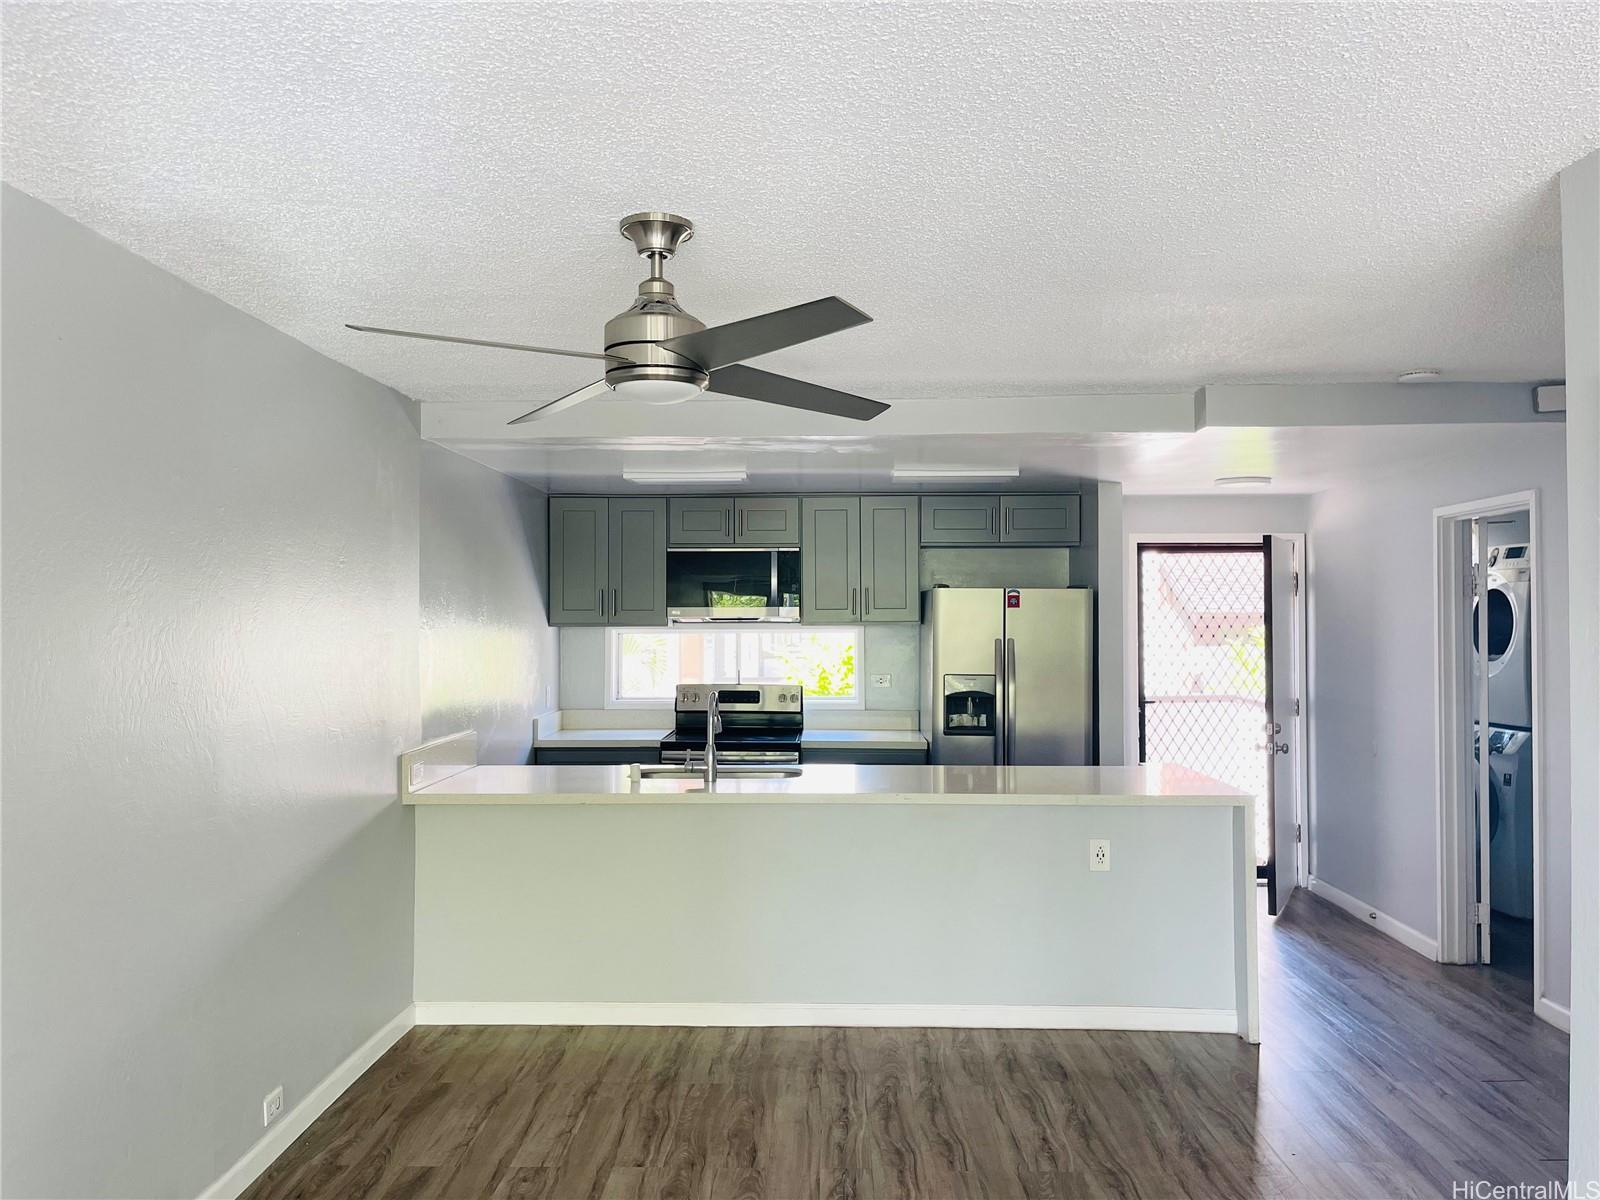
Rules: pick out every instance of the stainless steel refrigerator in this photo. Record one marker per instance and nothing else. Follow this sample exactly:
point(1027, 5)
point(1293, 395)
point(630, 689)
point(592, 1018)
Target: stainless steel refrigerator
point(1008, 675)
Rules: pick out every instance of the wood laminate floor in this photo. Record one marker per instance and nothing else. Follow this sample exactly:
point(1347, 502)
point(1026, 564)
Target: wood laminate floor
point(1380, 1074)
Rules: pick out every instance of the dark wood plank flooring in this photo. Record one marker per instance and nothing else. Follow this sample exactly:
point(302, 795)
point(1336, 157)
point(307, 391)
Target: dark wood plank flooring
point(1379, 1075)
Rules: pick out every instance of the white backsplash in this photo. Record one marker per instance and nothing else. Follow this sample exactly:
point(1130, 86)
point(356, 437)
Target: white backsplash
point(891, 650)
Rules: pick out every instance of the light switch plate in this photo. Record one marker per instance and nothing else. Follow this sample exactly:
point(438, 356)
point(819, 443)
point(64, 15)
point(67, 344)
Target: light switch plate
point(882, 681)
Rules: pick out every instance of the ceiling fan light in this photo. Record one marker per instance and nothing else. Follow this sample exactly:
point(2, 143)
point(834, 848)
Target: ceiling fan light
point(657, 391)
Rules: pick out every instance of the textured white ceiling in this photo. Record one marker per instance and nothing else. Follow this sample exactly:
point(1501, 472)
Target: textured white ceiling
point(1029, 199)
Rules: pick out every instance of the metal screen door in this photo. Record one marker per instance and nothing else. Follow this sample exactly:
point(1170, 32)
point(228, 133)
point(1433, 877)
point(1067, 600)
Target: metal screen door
point(1203, 682)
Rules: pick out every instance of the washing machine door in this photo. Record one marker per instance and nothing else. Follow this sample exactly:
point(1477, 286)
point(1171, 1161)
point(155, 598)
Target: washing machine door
point(1504, 621)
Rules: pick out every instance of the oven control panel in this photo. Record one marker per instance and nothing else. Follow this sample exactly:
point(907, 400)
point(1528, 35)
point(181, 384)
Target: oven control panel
point(741, 697)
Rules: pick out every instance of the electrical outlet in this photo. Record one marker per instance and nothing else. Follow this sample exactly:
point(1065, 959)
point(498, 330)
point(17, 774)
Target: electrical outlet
point(1099, 854)
point(272, 1105)
point(882, 680)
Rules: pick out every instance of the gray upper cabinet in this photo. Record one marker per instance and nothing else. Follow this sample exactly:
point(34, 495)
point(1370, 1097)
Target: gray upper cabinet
point(766, 521)
point(700, 521)
point(889, 564)
point(580, 560)
point(1040, 520)
point(830, 559)
point(960, 520)
point(638, 536)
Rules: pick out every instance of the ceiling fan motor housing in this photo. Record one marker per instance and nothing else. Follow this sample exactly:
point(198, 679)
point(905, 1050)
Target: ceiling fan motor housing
point(636, 333)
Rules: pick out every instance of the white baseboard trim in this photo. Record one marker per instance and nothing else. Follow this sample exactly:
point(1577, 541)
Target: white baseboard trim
point(298, 1119)
point(946, 1016)
point(1557, 1014)
point(1412, 939)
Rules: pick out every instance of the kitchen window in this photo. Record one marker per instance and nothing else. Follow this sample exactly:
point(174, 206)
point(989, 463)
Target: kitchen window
point(644, 665)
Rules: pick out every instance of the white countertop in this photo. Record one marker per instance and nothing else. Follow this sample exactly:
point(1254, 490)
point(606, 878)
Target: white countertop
point(1156, 784)
point(621, 739)
point(599, 739)
point(865, 739)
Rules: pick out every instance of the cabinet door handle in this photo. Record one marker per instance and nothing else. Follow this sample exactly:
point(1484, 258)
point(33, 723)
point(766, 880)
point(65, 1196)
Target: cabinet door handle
point(852, 602)
point(615, 606)
point(602, 604)
point(866, 602)
point(990, 526)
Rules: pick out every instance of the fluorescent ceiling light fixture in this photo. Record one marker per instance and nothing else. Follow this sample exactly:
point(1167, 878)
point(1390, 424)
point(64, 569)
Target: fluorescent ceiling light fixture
point(956, 472)
point(1243, 480)
point(731, 475)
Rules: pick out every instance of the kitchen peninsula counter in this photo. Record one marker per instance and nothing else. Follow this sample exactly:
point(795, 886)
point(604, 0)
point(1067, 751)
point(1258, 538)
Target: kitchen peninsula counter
point(1163, 785)
point(845, 895)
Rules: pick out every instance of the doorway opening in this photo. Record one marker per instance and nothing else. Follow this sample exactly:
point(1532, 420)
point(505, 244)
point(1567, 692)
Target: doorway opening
point(1490, 766)
point(1218, 680)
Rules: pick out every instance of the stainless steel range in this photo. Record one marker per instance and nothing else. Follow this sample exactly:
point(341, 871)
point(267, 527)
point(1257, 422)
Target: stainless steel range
point(761, 723)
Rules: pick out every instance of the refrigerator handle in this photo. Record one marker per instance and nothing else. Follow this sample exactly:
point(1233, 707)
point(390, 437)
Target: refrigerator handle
point(1011, 700)
point(1000, 701)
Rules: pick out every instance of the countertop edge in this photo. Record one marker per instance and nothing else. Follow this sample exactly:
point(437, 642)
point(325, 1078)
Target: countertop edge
point(656, 799)
point(627, 739)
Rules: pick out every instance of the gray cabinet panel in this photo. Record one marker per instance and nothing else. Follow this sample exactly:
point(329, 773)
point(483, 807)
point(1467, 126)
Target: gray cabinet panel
point(864, 758)
point(889, 559)
point(596, 756)
point(960, 520)
point(767, 521)
point(580, 565)
point(830, 559)
point(1040, 520)
point(700, 520)
point(638, 562)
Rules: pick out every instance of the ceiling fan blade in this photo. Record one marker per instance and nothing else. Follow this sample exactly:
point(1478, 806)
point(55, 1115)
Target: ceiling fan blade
point(792, 393)
point(587, 392)
point(464, 341)
point(739, 340)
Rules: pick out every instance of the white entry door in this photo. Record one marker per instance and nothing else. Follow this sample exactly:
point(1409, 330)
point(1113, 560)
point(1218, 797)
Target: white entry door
point(1283, 700)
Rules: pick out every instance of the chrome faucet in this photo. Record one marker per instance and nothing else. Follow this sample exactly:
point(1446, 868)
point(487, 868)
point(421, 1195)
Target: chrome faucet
point(713, 727)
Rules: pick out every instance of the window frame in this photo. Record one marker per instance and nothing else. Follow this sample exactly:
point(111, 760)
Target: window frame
point(615, 633)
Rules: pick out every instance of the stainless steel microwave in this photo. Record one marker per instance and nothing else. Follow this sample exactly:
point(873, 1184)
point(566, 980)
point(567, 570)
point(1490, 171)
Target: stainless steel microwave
point(732, 585)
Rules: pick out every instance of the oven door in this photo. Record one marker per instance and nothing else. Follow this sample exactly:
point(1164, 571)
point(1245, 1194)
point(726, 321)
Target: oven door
point(735, 756)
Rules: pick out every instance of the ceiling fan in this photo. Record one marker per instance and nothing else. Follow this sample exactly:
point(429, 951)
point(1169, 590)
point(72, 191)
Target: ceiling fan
point(657, 353)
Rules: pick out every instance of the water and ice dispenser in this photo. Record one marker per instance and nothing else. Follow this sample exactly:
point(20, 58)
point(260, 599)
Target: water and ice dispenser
point(969, 706)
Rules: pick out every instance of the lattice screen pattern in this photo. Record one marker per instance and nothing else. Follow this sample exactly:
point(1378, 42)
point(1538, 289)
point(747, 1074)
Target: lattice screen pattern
point(1203, 664)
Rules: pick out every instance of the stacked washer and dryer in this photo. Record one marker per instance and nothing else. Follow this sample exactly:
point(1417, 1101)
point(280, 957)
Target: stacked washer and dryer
point(1510, 725)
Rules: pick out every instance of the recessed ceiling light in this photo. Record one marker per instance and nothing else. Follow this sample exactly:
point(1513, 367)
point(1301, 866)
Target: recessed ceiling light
point(1421, 375)
point(1243, 480)
point(956, 472)
point(733, 475)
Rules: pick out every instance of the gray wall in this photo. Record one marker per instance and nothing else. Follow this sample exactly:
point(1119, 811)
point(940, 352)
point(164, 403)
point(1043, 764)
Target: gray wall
point(1153, 518)
point(210, 640)
point(1374, 824)
point(488, 655)
point(1097, 564)
point(824, 903)
point(1580, 258)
